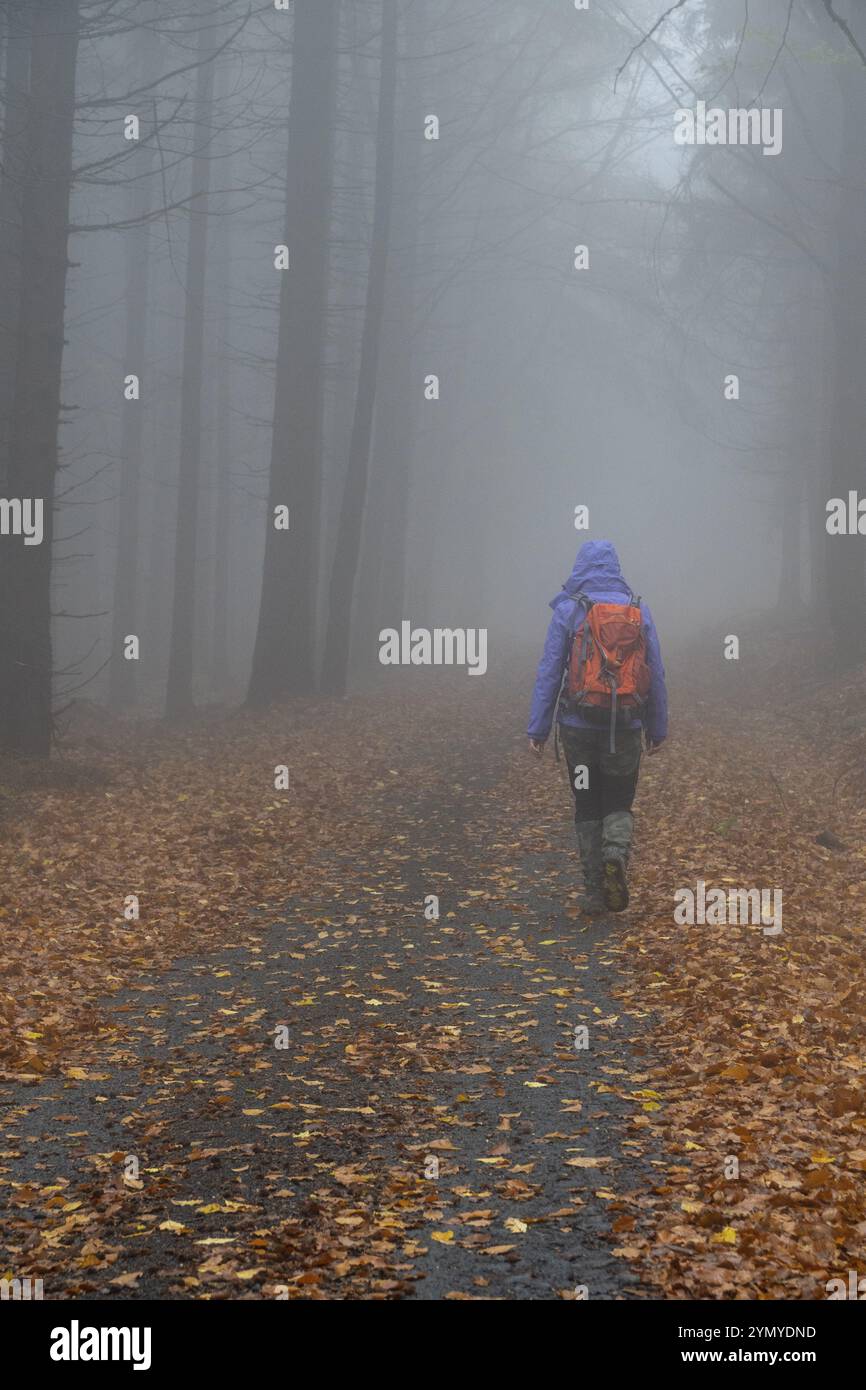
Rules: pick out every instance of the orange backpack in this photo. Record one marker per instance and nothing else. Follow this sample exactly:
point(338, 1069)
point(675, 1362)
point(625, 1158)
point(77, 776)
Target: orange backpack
point(607, 678)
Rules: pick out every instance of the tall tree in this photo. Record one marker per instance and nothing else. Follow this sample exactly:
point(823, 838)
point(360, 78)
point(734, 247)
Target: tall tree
point(284, 653)
point(345, 565)
point(844, 553)
point(18, 17)
point(25, 591)
point(219, 664)
point(381, 579)
point(179, 693)
point(137, 248)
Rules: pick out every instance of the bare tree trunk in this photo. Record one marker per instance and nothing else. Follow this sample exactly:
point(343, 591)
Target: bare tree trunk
point(382, 577)
point(220, 670)
point(397, 443)
point(25, 592)
point(17, 80)
point(382, 572)
point(284, 654)
point(126, 609)
point(220, 673)
point(157, 596)
point(844, 553)
point(345, 567)
point(179, 698)
point(801, 326)
point(350, 265)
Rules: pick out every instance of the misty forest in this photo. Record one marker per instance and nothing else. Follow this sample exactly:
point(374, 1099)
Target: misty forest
point(330, 332)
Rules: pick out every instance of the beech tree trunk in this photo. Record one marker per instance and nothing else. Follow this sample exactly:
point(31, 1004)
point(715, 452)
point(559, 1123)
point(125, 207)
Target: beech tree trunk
point(18, 18)
point(382, 578)
point(25, 570)
point(126, 613)
point(846, 590)
point(345, 567)
point(179, 694)
point(284, 653)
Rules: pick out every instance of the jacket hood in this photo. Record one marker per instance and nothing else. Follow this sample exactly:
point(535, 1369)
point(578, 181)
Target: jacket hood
point(596, 570)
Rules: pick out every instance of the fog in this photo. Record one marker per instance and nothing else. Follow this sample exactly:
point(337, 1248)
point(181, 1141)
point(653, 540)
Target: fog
point(433, 275)
point(392, 906)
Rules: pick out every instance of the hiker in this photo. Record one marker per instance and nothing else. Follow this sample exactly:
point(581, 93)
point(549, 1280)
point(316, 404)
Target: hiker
point(601, 676)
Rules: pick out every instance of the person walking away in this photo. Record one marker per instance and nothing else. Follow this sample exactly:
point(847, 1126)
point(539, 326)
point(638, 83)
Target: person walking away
point(601, 677)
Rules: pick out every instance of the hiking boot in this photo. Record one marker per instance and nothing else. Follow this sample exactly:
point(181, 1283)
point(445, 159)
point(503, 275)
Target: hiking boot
point(615, 885)
point(616, 836)
point(589, 844)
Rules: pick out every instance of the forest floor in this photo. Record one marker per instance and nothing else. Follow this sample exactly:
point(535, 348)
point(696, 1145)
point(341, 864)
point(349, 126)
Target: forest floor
point(284, 1080)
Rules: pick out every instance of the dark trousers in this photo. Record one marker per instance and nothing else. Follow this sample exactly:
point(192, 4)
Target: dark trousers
point(610, 778)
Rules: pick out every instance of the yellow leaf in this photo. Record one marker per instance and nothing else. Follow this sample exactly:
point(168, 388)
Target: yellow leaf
point(512, 1223)
point(442, 1236)
point(726, 1236)
point(738, 1072)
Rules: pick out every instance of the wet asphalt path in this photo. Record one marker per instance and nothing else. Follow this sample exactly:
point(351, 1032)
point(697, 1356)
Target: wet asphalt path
point(424, 1114)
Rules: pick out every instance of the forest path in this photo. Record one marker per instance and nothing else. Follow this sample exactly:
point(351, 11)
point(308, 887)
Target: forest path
point(308, 1170)
point(708, 1142)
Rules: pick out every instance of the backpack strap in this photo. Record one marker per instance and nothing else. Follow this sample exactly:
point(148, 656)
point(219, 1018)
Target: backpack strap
point(577, 599)
point(613, 716)
point(587, 605)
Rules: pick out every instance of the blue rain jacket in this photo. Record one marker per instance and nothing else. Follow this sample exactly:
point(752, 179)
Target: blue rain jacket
point(597, 574)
